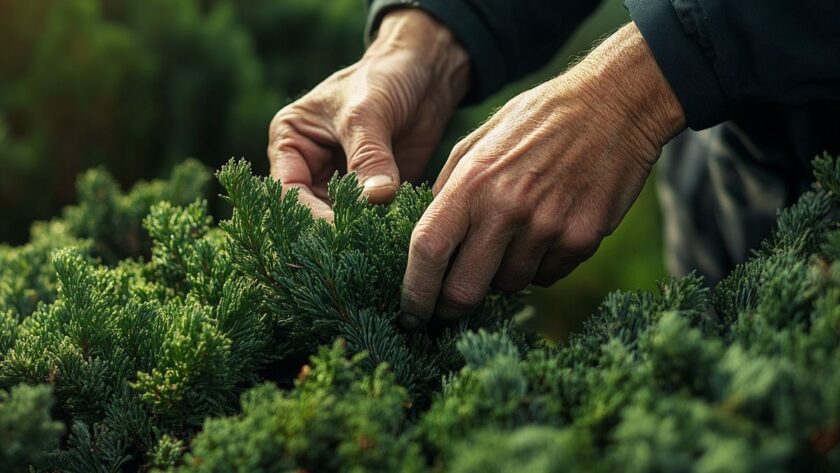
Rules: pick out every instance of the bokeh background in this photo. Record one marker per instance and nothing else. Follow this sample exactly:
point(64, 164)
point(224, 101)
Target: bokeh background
point(137, 86)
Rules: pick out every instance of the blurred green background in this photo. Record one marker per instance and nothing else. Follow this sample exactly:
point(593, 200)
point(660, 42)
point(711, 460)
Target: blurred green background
point(140, 85)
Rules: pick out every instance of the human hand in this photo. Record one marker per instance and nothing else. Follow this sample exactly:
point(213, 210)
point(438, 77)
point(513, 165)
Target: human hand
point(381, 117)
point(531, 193)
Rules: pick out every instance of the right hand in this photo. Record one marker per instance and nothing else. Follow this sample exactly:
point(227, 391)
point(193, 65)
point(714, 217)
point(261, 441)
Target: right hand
point(384, 115)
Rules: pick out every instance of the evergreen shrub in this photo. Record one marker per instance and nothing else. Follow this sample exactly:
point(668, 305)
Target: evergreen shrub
point(136, 335)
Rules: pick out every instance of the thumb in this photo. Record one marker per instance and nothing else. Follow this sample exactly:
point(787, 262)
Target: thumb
point(370, 156)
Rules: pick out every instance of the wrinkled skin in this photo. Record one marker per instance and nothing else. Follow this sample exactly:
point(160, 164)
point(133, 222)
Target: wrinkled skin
point(381, 117)
point(523, 199)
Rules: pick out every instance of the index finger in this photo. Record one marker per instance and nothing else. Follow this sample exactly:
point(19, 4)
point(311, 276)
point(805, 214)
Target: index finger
point(433, 242)
point(289, 165)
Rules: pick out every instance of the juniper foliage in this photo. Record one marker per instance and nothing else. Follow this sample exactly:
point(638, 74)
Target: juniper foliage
point(321, 281)
point(339, 416)
point(185, 348)
point(145, 319)
point(743, 378)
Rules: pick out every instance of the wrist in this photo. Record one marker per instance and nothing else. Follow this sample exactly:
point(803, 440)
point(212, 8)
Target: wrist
point(622, 74)
point(430, 44)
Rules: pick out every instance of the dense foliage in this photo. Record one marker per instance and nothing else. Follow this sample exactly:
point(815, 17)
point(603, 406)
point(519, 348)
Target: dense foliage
point(135, 335)
point(145, 319)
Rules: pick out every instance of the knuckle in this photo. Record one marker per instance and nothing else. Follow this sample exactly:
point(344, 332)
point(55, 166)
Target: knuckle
point(281, 142)
point(507, 211)
point(582, 242)
point(293, 112)
point(368, 153)
point(544, 229)
point(428, 245)
point(462, 296)
point(279, 124)
point(460, 149)
point(284, 126)
point(358, 116)
point(280, 116)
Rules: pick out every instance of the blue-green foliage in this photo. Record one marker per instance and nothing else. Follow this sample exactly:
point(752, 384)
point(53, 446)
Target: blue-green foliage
point(746, 378)
point(189, 352)
point(320, 281)
point(338, 417)
point(146, 319)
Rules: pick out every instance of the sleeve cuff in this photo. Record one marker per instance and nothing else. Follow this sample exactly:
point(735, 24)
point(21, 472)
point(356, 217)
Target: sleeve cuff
point(469, 30)
point(682, 61)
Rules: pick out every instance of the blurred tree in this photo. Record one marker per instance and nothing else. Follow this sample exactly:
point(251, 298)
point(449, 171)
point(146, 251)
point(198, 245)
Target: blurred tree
point(140, 85)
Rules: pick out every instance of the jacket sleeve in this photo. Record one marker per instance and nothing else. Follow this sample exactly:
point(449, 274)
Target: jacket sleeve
point(723, 56)
point(505, 39)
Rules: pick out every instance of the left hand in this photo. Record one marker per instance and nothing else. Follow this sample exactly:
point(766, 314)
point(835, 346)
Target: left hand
point(531, 193)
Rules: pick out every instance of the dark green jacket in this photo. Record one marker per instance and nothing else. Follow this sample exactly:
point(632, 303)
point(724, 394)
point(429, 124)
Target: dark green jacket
point(725, 59)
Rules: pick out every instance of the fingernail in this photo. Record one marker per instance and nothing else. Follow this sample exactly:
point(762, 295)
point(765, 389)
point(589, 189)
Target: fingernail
point(380, 180)
point(408, 321)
